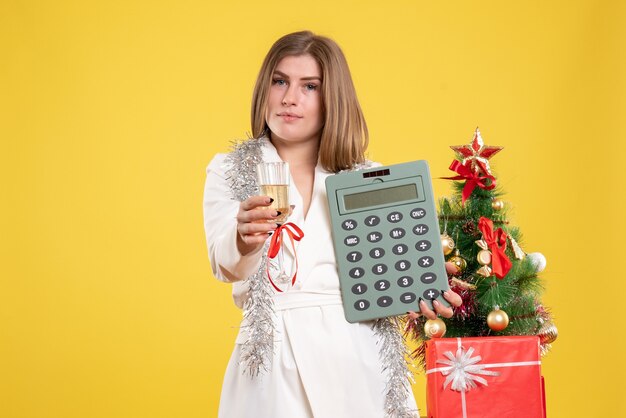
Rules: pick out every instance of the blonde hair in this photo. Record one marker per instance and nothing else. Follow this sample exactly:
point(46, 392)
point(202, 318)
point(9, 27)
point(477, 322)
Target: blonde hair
point(344, 136)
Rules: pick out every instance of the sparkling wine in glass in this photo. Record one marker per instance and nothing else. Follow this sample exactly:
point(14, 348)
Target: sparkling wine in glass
point(273, 181)
point(280, 194)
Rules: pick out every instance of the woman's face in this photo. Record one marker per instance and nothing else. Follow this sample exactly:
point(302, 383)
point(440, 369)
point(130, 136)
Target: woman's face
point(294, 110)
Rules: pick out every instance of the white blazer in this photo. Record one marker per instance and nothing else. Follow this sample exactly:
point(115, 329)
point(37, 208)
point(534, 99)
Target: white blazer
point(323, 366)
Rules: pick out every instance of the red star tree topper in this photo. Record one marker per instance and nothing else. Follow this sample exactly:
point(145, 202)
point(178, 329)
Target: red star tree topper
point(477, 154)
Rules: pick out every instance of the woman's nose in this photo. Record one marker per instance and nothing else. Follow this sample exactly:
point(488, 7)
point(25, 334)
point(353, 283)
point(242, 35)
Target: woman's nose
point(290, 96)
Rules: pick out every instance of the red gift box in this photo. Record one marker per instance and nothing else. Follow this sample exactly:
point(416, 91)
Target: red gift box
point(484, 377)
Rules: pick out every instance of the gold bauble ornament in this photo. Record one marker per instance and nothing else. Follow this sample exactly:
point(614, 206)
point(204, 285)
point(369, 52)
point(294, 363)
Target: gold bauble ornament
point(497, 204)
point(458, 261)
point(447, 243)
point(484, 257)
point(497, 319)
point(435, 328)
point(547, 333)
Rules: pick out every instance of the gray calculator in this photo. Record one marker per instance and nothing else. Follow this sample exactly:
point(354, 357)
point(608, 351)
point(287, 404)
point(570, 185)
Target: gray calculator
point(387, 241)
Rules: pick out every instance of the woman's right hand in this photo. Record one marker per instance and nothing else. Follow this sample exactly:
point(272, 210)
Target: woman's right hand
point(254, 223)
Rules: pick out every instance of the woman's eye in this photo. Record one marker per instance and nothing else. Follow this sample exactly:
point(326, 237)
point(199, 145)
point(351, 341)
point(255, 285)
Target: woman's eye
point(279, 81)
point(311, 86)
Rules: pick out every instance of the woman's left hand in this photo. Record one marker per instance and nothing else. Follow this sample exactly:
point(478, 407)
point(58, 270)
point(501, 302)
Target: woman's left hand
point(440, 309)
point(452, 297)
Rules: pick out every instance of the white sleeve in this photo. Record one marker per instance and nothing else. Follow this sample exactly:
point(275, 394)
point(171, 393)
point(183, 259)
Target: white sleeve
point(220, 226)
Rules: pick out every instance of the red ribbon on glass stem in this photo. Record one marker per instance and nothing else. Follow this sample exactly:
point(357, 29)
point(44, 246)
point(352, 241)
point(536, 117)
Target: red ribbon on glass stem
point(295, 234)
point(496, 240)
point(472, 179)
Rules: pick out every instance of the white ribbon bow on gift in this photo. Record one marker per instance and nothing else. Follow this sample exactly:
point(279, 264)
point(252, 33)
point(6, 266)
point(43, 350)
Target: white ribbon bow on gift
point(463, 370)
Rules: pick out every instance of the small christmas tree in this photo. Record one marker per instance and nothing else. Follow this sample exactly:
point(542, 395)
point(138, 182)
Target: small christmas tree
point(496, 279)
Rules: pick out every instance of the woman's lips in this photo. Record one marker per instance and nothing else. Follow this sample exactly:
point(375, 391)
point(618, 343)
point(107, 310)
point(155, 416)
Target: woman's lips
point(289, 116)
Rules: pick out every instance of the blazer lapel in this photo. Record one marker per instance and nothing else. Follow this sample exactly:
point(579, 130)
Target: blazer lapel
point(317, 232)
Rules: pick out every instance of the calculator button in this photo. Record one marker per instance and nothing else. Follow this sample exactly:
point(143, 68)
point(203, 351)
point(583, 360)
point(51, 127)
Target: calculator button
point(399, 249)
point(431, 294)
point(377, 252)
point(428, 278)
point(354, 256)
point(356, 273)
point(425, 261)
point(374, 236)
point(382, 285)
point(397, 233)
point(408, 297)
point(403, 265)
point(418, 213)
point(359, 289)
point(379, 269)
point(384, 301)
point(422, 245)
point(394, 217)
point(351, 241)
point(349, 224)
point(420, 229)
point(405, 281)
point(372, 220)
point(361, 305)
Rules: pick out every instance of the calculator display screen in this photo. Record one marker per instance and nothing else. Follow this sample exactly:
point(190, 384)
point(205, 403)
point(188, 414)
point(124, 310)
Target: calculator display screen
point(380, 197)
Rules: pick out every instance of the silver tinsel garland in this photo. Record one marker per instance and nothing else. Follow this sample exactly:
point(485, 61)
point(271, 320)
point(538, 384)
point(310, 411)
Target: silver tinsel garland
point(243, 159)
point(393, 354)
point(258, 310)
point(257, 350)
point(258, 319)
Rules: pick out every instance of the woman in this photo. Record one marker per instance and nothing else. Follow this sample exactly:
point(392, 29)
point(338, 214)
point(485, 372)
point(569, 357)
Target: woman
point(305, 112)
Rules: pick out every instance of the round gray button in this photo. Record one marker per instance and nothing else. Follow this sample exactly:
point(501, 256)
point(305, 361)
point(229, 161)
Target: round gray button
point(397, 233)
point(374, 236)
point(359, 288)
point(418, 213)
point(372, 220)
point(399, 249)
point(420, 229)
point(351, 240)
point(377, 252)
point(349, 224)
point(408, 297)
point(356, 273)
point(379, 269)
point(422, 245)
point(431, 294)
point(382, 285)
point(405, 281)
point(384, 301)
point(425, 261)
point(361, 305)
point(428, 278)
point(403, 265)
point(394, 217)
point(354, 256)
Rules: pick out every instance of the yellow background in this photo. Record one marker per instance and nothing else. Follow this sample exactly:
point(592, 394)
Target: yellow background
point(110, 112)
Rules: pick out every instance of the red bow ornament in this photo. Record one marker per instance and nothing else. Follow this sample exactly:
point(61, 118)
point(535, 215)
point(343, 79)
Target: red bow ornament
point(496, 242)
point(472, 178)
point(295, 234)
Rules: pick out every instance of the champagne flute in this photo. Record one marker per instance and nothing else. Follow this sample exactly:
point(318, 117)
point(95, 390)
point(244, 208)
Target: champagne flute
point(273, 180)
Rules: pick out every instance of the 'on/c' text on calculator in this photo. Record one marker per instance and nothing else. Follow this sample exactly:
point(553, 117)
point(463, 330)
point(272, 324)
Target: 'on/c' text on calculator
point(386, 239)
